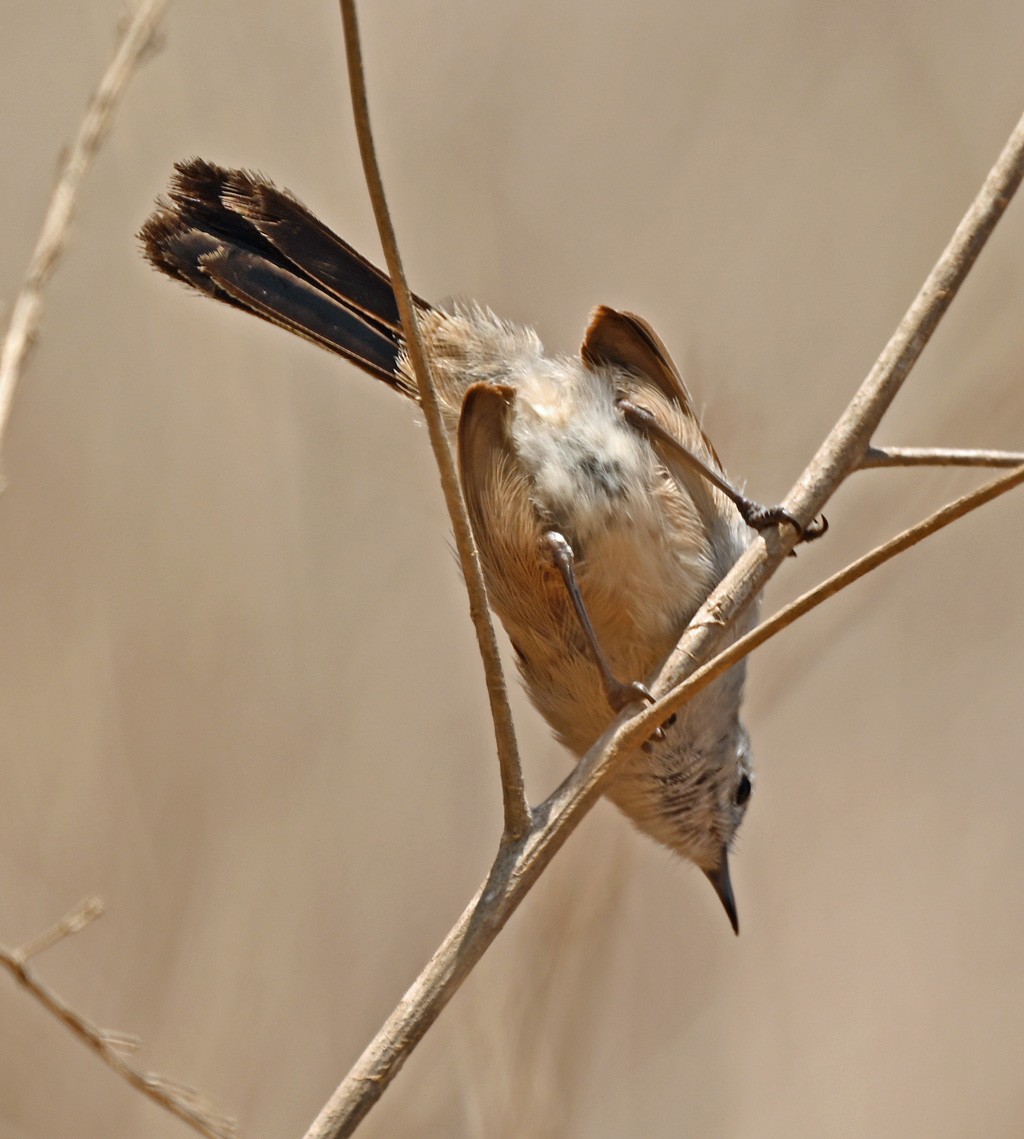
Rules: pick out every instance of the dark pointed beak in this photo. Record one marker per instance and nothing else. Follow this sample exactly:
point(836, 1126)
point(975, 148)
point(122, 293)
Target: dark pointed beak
point(719, 878)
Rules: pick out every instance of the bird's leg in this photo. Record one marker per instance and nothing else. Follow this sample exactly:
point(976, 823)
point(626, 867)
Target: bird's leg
point(755, 515)
point(619, 695)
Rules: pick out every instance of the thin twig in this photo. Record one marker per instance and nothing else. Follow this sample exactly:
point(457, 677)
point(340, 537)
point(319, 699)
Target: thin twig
point(176, 1098)
point(135, 40)
point(877, 457)
point(133, 43)
point(516, 807)
point(518, 866)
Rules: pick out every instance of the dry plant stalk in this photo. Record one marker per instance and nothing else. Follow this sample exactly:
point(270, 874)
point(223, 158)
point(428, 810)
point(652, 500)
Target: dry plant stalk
point(516, 808)
point(111, 1047)
point(846, 449)
point(135, 40)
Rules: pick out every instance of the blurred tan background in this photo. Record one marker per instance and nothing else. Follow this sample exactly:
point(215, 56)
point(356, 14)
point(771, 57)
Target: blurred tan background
point(240, 696)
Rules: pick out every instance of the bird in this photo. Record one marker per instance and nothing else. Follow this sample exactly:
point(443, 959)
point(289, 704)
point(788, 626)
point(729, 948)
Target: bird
point(602, 512)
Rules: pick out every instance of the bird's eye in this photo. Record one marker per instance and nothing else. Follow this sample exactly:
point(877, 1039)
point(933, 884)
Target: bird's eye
point(743, 789)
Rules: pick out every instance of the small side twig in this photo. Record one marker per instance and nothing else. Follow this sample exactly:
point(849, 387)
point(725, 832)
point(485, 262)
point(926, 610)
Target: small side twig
point(516, 807)
point(135, 40)
point(111, 1047)
point(877, 457)
point(87, 910)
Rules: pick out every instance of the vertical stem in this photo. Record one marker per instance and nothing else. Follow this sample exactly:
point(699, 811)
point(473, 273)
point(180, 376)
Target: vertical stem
point(516, 808)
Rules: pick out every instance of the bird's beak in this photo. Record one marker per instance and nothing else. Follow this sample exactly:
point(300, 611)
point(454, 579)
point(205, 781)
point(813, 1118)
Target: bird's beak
point(719, 878)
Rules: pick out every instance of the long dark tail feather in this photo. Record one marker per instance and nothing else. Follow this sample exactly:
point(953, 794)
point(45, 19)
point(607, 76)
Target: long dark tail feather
point(233, 236)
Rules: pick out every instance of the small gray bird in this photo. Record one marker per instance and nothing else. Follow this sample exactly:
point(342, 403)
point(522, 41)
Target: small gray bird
point(601, 510)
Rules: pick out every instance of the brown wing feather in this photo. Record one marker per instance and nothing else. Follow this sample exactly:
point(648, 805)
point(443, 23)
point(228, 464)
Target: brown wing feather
point(626, 340)
point(504, 518)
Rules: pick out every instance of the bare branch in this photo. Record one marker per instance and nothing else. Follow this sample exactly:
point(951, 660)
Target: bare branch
point(876, 457)
point(516, 807)
point(135, 40)
point(518, 865)
point(846, 444)
point(178, 1099)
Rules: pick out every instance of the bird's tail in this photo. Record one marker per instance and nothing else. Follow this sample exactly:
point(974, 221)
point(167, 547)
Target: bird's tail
point(234, 236)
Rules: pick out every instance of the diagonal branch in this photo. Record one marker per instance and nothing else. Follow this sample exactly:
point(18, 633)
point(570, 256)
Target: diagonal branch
point(176, 1098)
point(515, 871)
point(844, 447)
point(132, 46)
point(518, 865)
point(516, 808)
